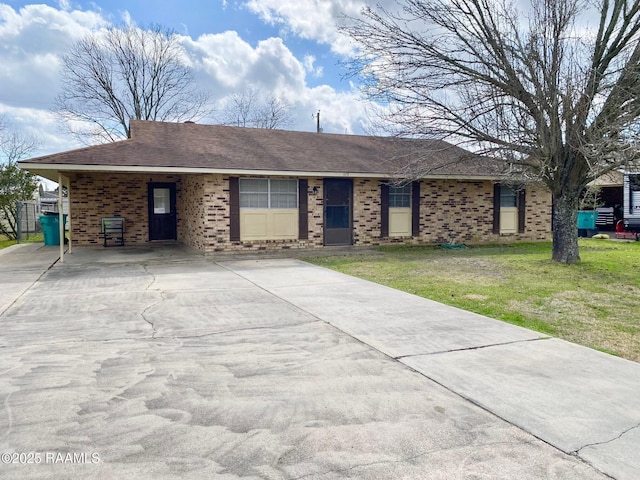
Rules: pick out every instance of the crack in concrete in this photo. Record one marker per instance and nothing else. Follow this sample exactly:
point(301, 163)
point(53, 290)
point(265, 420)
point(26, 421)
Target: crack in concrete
point(144, 317)
point(479, 347)
point(234, 330)
point(156, 337)
point(407, 459)
point(153, 277)
point(162, 299)
point(7, 408)
point(595, 444)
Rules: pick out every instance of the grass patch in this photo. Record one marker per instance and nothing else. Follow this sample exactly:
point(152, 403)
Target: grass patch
point(593, 303)
point(4, 242)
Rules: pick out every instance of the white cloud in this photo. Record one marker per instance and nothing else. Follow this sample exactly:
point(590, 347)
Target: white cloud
point(43, 124)
point(126, 18)
point(33, 39)
point(340, 112)
point(222, 57)
point(276, 69)
point(311, 19)
point(226, 64)
point(308, 62)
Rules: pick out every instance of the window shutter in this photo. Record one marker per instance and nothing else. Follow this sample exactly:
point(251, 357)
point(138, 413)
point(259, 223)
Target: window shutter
point(234, 209)
point(415, 208)
point(496, 208)
point(384, 210)
point(303, 209)
point(522, 210)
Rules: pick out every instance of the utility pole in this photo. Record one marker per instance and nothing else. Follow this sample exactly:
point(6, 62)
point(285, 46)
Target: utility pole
point(317, 117)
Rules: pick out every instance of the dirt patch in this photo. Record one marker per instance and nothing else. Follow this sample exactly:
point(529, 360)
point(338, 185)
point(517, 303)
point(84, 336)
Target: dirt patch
point(474, 296)
point(588, 318)
point(463, 270)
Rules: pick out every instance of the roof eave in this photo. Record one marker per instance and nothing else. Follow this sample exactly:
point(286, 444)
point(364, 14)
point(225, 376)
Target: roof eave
point(51, 171)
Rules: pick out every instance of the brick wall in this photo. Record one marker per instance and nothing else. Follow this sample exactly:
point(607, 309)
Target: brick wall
point(461, 208)
point(538, 214)
point(450, 210)
point(458, 208)
point(366, 211)
point(190, 209)
point(216, 227)
point(96, 195)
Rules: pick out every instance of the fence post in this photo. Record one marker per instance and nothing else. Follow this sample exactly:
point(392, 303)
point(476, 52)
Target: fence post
point(28, 226)
point(18, 221)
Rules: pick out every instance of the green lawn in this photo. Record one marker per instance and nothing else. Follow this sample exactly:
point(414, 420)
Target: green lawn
point(4, 243)
point(594, 303)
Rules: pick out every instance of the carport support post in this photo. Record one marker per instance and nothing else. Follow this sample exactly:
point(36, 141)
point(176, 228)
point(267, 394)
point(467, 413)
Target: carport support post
point(60, 218)
point(61, 179)
point(69, 213)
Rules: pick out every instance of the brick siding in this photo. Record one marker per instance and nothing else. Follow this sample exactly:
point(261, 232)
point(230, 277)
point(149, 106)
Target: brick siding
point(96, 195)
point(462, 210)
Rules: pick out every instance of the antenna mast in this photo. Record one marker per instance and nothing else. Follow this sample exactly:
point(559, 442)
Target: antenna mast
point(317, 117)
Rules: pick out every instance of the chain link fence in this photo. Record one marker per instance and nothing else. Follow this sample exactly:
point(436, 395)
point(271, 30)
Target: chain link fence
point(28, 222)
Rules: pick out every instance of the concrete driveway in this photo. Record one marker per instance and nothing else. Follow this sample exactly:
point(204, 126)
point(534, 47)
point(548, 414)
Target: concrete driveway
point(125, 363)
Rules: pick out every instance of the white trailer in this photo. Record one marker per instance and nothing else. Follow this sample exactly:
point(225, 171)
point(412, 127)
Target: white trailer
point(631, 194)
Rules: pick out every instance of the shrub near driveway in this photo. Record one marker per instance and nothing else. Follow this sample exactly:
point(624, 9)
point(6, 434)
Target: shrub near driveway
point(594, 303)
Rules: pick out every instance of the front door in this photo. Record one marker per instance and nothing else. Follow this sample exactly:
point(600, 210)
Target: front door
point(337, 211)
point(162, 211)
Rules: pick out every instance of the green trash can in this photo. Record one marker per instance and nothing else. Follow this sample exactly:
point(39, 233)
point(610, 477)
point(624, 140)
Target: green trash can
point(51, 228)
point(587, 223)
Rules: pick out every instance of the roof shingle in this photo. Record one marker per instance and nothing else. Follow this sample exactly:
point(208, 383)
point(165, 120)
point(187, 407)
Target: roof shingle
point(216, 147)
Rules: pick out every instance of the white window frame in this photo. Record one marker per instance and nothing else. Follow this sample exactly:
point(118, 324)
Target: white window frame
point(269, 193)
point(402, 191)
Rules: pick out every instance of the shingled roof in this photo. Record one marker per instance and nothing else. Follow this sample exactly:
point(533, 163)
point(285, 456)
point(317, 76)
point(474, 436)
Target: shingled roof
point(189, 148)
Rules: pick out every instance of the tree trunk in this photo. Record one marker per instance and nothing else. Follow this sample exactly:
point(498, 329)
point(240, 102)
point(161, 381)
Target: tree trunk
point(565, 229)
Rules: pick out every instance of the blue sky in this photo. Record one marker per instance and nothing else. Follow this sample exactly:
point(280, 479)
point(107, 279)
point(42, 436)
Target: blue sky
point(288, 48)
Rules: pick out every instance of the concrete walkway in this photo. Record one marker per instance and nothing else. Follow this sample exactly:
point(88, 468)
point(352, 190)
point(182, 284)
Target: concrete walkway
point(20, 267)
point(161, 364)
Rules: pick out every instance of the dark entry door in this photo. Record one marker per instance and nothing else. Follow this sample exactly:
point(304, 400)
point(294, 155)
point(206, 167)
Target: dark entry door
point(162, 211)
point(337, 211)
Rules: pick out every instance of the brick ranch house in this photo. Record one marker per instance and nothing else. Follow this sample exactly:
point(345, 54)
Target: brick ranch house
point(218, 188)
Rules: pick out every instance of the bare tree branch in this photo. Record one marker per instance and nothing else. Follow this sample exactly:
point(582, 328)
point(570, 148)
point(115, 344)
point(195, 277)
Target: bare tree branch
point(112, 76)
point(557, 101)
point(249, 109)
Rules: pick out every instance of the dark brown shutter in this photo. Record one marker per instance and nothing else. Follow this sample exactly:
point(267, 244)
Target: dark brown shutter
point(496, 208)
point(415, 208)
point(384, 210)
point(303, 209)
point(234, 209)
point(522, 210)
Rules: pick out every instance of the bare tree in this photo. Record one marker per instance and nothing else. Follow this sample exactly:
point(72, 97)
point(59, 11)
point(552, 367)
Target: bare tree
point(239, 111)
point(557, 100)
point(112, 76)
point(16, 185)
point(249, 109)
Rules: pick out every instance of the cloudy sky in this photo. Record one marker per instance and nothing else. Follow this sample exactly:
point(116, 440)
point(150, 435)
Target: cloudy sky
point(289, 48)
